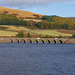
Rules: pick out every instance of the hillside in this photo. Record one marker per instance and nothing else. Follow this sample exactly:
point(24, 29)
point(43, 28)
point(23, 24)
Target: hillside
point(13, 21)
point(11, 31)
point(20, 13)
point(56, 22)
point(72, 17)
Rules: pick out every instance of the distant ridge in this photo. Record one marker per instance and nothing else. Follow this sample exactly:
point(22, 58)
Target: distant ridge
point(20, 13)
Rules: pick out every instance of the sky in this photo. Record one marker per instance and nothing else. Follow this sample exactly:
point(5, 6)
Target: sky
point(63, 8)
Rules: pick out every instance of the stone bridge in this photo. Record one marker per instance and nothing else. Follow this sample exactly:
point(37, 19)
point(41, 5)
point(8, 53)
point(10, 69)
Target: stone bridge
point(37, 40)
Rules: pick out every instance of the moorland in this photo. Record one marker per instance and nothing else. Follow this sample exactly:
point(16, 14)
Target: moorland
point(13, 21)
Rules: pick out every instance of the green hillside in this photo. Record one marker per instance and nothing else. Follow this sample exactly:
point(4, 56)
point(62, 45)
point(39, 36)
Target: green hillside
point(10, 24)
point(47, 22)
point(55, 22)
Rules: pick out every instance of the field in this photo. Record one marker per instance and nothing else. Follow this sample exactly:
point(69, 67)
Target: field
point(7, 33)
point(11, 30)
point(50, 32)
point(67, 31)
point(20, 13)
point(35, 32)
point(36, 20)
point(15, 28)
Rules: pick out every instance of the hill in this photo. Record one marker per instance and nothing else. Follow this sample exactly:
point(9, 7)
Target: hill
point(20, 13)
point(72, 17)
point(25, 18)
point(56, 22)
point(13, 21)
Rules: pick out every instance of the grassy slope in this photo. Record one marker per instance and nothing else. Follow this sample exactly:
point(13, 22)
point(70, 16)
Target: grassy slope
point(20, 13)
point(35, 32)
point(7, 33)
point(36, 20)
point(50, 32)
point(67, 31)
point(15, 28)
point(12, 30)
point(24, 14)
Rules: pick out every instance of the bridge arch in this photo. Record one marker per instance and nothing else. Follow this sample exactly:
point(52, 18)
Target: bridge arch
point(31, 41)
point(54, 41)
point(47, 41)
point(17, 41)
point(36, 41)
point(42, 41)
point(14, 40)
point(60, 41)
point(24, 41)
point(11, 41)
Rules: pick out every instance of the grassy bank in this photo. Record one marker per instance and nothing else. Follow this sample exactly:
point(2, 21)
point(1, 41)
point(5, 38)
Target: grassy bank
point(15, 28)
point(50, 32)
point(10, 30)
point(7, 33)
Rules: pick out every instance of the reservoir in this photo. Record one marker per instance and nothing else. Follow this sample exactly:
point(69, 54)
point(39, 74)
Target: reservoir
point(37, 59)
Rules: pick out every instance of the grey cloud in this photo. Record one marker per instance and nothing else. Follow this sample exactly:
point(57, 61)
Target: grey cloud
point(22, 3)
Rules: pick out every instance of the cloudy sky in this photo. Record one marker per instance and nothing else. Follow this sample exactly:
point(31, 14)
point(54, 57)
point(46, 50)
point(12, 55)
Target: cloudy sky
point(65, 8)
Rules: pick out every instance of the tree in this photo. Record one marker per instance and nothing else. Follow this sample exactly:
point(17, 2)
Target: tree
point(65, 26)
point(47, 36)
point(29, 35)
point(13, 20)
point(49, 18)
point(28, 23)
point(20, 35)
point(73, 36)
point(43, 25)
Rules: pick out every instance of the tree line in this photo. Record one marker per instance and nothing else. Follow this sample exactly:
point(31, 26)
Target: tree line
point(13, 20)
point(22, 35)
point(55, 22)
point(49, 22)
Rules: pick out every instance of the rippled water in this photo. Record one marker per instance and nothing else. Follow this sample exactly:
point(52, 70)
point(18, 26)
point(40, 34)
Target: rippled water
point(37, 59)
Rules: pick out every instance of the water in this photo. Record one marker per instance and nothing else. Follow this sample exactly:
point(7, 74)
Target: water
point(37, 59)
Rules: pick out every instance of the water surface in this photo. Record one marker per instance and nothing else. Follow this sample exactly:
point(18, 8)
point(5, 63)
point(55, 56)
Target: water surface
point(37, 59)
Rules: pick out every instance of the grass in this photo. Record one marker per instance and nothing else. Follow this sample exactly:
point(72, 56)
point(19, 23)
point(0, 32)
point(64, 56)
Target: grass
point(67, 31)
point(50, 32)
point(35, 32)
point(15, 28)
point(7, 33)
point(36, 20)
point(19, 13)
point(12, 30)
